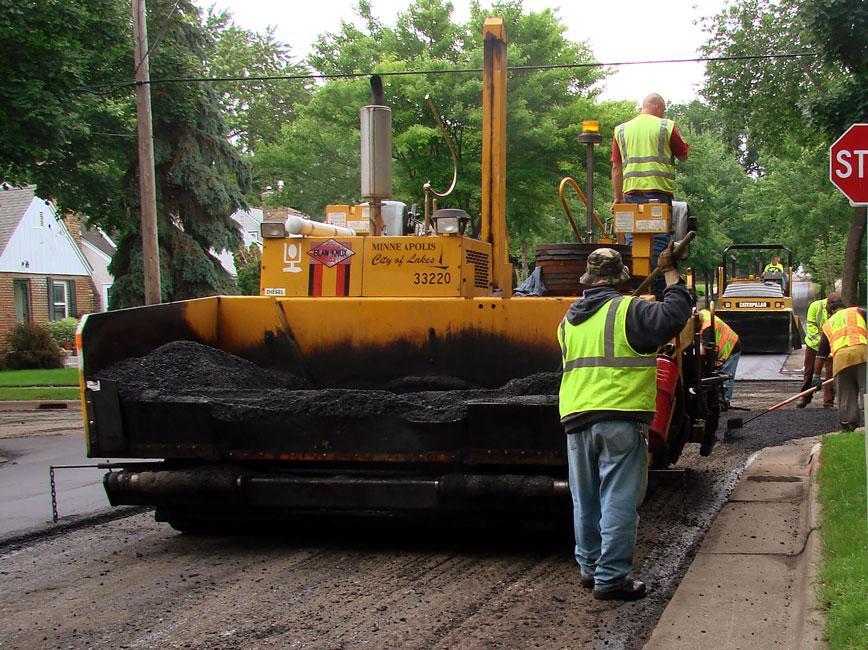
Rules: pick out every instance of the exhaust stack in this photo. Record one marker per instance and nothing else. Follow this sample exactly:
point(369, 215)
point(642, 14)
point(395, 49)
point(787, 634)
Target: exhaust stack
point(376, 149)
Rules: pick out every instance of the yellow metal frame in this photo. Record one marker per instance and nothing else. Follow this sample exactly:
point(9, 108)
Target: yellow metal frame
point(424, 267)
point(493, 228)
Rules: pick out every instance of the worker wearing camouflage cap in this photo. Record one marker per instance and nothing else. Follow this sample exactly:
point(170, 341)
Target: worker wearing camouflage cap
point(607, 400)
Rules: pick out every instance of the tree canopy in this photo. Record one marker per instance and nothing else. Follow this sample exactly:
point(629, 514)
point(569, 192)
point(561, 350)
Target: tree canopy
point(69, 127)
point(779, 115)
point(756, 172)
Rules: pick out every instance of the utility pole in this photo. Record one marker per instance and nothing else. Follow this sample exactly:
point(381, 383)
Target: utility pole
point(147, 186)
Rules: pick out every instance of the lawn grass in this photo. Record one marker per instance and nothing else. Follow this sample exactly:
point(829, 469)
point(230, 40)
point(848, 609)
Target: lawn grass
point(58, 377)
point(9, 393)
point(844, 573)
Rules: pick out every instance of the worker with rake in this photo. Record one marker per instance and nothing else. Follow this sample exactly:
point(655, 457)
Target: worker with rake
point(845, 339)
point(607, 400)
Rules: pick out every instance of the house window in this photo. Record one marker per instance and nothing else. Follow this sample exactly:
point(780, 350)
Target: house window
point(21, 291)
point(61, 299)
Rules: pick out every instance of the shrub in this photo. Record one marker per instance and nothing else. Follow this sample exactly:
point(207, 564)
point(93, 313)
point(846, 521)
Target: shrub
point(63, 331)
point(31, 346)
point(247, 263)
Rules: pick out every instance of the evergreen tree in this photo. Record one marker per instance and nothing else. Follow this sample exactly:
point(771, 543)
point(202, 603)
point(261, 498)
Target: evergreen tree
point(201, 177)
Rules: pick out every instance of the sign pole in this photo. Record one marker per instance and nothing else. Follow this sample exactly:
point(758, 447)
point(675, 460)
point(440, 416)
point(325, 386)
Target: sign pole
point(147, 183)
point(848, 171)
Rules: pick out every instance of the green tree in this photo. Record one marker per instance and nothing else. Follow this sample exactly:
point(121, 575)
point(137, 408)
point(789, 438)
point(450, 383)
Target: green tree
point(249, 265)
point(62, 127)
point(69, 126)
point(201, 177)
point(713, 182)
point(838, 28)
point(317, 156)
point(794, 203)
point(762, 101)
point(775, 108)
point(255, 110)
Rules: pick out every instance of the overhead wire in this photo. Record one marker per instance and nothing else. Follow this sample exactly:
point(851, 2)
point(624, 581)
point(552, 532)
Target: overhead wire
point(442, 71)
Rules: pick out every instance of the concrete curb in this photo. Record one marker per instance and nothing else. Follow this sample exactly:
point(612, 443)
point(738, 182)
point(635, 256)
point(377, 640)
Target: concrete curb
point(812, 617)
point(752, 583)
point(40, 404)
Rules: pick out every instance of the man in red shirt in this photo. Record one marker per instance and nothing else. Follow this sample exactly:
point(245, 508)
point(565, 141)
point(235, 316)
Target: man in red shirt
point(643, 165)
point(653, 105)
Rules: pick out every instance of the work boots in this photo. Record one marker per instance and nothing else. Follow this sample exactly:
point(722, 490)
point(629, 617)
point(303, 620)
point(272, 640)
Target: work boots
point(628, 590)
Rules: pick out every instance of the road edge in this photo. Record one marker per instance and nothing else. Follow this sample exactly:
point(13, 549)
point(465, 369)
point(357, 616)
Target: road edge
point(740, 571)
point(73, 522)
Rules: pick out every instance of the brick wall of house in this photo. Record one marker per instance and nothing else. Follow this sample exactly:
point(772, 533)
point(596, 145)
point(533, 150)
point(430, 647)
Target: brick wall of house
point(85, 299)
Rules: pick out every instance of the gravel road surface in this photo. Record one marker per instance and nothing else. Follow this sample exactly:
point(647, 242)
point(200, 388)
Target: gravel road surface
point(134, 583)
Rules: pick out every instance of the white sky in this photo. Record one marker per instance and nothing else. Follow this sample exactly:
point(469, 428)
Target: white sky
point(616, 30)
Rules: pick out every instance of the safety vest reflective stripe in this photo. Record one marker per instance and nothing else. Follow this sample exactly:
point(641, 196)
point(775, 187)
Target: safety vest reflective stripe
point(601, 370)
point(724, 336)
point(661, 156)
point(645, 154)
point(845, 328)
point(610, 362)
point(563, 339)
point(648, 173)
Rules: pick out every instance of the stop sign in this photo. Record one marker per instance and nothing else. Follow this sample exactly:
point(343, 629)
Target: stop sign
point(848, 163)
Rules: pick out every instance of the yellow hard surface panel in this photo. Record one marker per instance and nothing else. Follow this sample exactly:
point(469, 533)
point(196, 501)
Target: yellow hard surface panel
point(379, 321)
point(312, 266)
point(412, 266)
point(642, 254)
point(437, 266)
point(746, 303)
point(243, 321)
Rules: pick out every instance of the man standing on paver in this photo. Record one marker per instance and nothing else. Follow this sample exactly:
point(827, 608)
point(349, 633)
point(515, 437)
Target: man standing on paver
point(818, 313)
point(845, 338)
point(607, 399)
point(644, 150)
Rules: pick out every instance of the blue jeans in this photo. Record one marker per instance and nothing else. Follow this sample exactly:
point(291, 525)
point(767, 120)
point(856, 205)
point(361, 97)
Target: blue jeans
point(608, 466)
point(729, 367)
point(661, 240)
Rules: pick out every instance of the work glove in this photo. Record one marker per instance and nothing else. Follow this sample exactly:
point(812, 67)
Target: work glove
point(816, 382)
point(666, 260)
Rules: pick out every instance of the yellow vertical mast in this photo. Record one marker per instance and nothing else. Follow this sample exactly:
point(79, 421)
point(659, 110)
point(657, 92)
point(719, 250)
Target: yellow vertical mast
point(493, 227)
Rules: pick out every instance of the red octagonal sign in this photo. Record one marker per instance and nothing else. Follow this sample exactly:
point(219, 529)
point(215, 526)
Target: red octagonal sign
point(848, 163)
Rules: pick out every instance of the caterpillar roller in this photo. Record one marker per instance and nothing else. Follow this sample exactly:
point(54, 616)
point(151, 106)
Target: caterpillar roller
point(375, 373)
point(758, 303)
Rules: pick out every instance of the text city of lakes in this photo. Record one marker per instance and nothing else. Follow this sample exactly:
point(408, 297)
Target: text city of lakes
point(401, 253)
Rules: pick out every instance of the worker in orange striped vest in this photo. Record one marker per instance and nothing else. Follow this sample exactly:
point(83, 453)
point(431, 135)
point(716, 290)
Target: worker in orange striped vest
point(845, 339)
point(728, 350)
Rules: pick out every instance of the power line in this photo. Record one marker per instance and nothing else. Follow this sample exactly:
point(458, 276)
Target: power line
point(108, 88)
point(518, 68)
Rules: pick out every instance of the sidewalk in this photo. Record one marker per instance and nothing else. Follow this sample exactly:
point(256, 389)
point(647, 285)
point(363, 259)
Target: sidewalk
point(751, 584)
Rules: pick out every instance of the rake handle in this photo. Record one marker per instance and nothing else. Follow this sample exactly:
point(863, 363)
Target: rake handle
point(682, 246)
point(812, 389)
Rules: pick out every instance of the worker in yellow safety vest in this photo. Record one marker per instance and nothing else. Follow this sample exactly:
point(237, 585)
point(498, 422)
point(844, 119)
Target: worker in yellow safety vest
point(643, 153)
point(644, 150)
point(845, 338)
point(728, 350)
point(607, 400)
point(775, 266)
point(818, 314)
